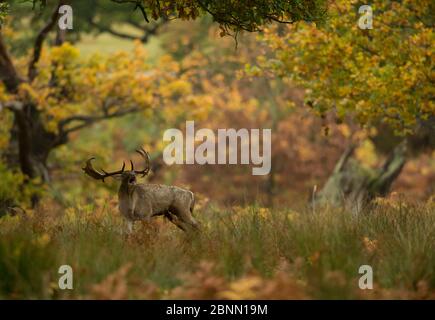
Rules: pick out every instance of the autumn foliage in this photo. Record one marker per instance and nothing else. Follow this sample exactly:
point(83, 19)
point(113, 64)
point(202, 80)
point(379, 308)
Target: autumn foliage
point(321, 85)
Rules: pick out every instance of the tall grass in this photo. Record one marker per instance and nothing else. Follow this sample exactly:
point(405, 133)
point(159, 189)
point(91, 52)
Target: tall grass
point(248, 252)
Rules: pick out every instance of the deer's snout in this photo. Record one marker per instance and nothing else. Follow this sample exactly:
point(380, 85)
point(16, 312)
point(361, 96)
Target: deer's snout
point(132, 180)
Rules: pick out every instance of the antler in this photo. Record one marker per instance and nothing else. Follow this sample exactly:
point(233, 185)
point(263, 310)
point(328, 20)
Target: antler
point(146, 156)
point(90, 171)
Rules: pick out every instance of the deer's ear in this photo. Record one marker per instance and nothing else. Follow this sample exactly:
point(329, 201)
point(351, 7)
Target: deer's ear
point(117, 177)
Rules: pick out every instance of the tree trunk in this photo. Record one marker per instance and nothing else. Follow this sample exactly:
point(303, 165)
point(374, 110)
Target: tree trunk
point(34, 143)
point(353, 186)
point(31, 144)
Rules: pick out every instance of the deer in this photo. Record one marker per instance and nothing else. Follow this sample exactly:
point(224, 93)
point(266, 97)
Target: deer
point(138, 201)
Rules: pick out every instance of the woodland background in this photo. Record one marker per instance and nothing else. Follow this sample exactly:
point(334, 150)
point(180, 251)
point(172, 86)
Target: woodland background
point(330, 92)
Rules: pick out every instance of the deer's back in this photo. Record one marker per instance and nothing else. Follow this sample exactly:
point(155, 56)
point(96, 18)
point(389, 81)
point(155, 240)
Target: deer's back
point(161, 197)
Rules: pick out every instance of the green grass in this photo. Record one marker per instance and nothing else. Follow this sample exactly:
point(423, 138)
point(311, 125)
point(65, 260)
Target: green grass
point(106, 44)
point(241, 253)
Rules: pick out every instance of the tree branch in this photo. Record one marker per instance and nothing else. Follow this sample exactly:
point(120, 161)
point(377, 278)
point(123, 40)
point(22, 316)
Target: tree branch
point(390, 169)
point(12, 105)
point(344, 158)
point(147, 31)
point(115, 33)
point(87, 120)
point(32, 71)
point(8, 73)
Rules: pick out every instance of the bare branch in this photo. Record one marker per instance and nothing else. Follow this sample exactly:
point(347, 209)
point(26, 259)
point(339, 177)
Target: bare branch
point(12, 105)
point(87, 120)
point(32, 71)
point(147, 30)
point(8, 73)
point(115, 33)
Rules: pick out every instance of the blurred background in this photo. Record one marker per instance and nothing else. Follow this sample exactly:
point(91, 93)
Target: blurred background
point(352, 116)
point(194, 71)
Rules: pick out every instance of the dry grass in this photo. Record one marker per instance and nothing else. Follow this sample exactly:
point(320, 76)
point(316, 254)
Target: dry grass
point(243, 253)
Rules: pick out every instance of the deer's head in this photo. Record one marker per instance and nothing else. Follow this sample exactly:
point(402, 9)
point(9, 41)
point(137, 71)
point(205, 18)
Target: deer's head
point(127, 176)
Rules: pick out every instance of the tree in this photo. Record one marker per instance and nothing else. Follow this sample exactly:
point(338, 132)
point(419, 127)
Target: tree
point(380, 77)
point(90, 17)
point(234, 16)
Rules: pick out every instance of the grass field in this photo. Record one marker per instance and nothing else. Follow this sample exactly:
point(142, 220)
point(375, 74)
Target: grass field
point(107, 44)
point(242, 253)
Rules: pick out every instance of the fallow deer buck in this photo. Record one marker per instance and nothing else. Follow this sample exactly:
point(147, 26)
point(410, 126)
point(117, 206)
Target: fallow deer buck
point(143, 201)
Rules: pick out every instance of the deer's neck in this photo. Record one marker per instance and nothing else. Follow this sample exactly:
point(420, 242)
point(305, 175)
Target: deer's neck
point(125, 189)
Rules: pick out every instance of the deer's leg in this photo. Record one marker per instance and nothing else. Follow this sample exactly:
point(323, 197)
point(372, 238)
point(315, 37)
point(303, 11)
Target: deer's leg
point(126, 227)
point(132, 206)
point(144, 212)
point(131, 212)
point(174, 220)
point(185, 218)
point(130, 226)
point(187, 215)
point(139, 210)
point(192, 221)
